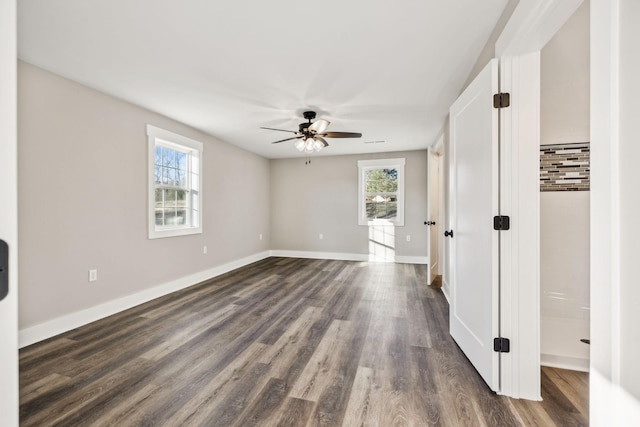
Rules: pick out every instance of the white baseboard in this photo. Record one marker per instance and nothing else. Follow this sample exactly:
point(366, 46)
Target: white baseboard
point(71, 321)
point(445, 290)
point(345, 256)
point(412, 259)
point(320, 255)
point(564, 362)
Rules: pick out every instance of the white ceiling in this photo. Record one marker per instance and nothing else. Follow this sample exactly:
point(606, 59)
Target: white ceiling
point(388, 69)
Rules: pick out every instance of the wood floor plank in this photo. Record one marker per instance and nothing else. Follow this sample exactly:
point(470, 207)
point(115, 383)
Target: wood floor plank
point(281, 342)
point(317, 374)
point(565, 381)
point(44, 385)
point(201, 406)
point(363, 408)
point(295, 413)
point(280, 355)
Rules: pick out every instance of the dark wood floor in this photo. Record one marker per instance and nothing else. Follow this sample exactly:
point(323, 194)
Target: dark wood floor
point(282, 342)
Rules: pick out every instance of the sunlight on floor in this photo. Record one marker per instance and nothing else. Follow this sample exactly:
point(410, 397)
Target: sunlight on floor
point(382, 241)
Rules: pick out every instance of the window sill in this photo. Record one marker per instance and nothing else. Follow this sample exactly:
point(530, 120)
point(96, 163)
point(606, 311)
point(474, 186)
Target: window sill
point(174, 232)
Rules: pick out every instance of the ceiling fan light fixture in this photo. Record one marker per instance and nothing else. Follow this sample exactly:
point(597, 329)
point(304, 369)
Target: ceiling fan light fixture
point(308, 145)
point(310, 136)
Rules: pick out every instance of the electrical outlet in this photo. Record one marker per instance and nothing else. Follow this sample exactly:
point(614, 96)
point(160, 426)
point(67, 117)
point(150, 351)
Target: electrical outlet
point(408, 237)
point(93, 275)
point(321, 236)
point(260, 236)
point(204, 250)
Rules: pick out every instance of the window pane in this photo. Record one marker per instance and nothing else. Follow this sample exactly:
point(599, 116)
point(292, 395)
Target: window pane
point(181, 178)
point(382, 206)
point(168, 176)
point(381, 180)
point(168, 157)
point(181, 161)
point(181, 198)
point(181, 217)
point(158, 151)
point(169, 197)
point(159, 207)
point(158, 174)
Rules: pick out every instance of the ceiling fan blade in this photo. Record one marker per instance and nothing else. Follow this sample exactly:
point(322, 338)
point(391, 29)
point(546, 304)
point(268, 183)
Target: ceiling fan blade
point(319, 126)
point(281, 130)
point(287, 139)
point(321, 139)
point(341, 135)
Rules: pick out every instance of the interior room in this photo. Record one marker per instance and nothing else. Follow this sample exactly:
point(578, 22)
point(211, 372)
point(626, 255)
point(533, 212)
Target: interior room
point(392, 215)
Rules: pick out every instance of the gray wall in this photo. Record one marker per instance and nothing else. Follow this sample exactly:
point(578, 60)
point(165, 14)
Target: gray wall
point(322, 197)
point(83, 200)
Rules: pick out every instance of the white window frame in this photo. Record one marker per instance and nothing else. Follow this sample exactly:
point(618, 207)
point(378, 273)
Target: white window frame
point(157, 136)
point(367, 165)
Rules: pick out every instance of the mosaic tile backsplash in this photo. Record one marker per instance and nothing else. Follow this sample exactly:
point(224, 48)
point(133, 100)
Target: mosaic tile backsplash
point(564, 167)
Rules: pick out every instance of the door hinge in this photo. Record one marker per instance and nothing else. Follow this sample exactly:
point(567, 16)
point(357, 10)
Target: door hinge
point(501, 100)
point(501, 345)
point(501, 222)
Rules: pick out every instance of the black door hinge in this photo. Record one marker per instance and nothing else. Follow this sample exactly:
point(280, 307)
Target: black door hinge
point(4, 269)
point(501, 222)
point(501, 100)
point(501, 345)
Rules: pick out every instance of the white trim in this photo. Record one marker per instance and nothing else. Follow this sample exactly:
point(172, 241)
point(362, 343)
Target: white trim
point(71, 321)
point(438, 146)
point(412, 259)
point(365, 165)
point(445, 290)
point(9, 213)
point(171, 137)
point(533, 24)
point(345, 256)
point(565, 362)
point(157, 136)
point(520, 246)
point(319, 255)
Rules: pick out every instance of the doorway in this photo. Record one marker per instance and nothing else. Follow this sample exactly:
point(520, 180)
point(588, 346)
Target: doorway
point(565, 195)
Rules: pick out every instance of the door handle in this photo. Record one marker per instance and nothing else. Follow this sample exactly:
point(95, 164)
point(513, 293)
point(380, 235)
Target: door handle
point(429, 223)
point(4, 269)
point(448, 233)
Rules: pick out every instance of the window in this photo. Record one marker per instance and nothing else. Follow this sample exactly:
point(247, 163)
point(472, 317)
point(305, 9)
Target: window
point(175, 180)
point(381, 191)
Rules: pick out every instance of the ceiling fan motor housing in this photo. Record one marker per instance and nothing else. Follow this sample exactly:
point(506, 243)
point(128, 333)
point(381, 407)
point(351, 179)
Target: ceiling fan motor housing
point(303, 127)
point(309, 115)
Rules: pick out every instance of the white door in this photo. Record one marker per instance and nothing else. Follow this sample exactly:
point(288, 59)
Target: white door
point(474, 316)
point(433, 208)
point(8, 217)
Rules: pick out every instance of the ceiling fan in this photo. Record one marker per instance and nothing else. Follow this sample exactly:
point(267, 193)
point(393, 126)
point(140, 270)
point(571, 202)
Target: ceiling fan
point(311, 136)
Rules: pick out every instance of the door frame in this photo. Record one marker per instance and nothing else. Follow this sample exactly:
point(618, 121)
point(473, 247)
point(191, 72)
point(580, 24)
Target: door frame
point(433, 230)
point(530, 27)
point(9, 212)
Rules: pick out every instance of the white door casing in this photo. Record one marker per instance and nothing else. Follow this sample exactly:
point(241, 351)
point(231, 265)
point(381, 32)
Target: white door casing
point(9, 214)
point(474, 185)
point(433, 209)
